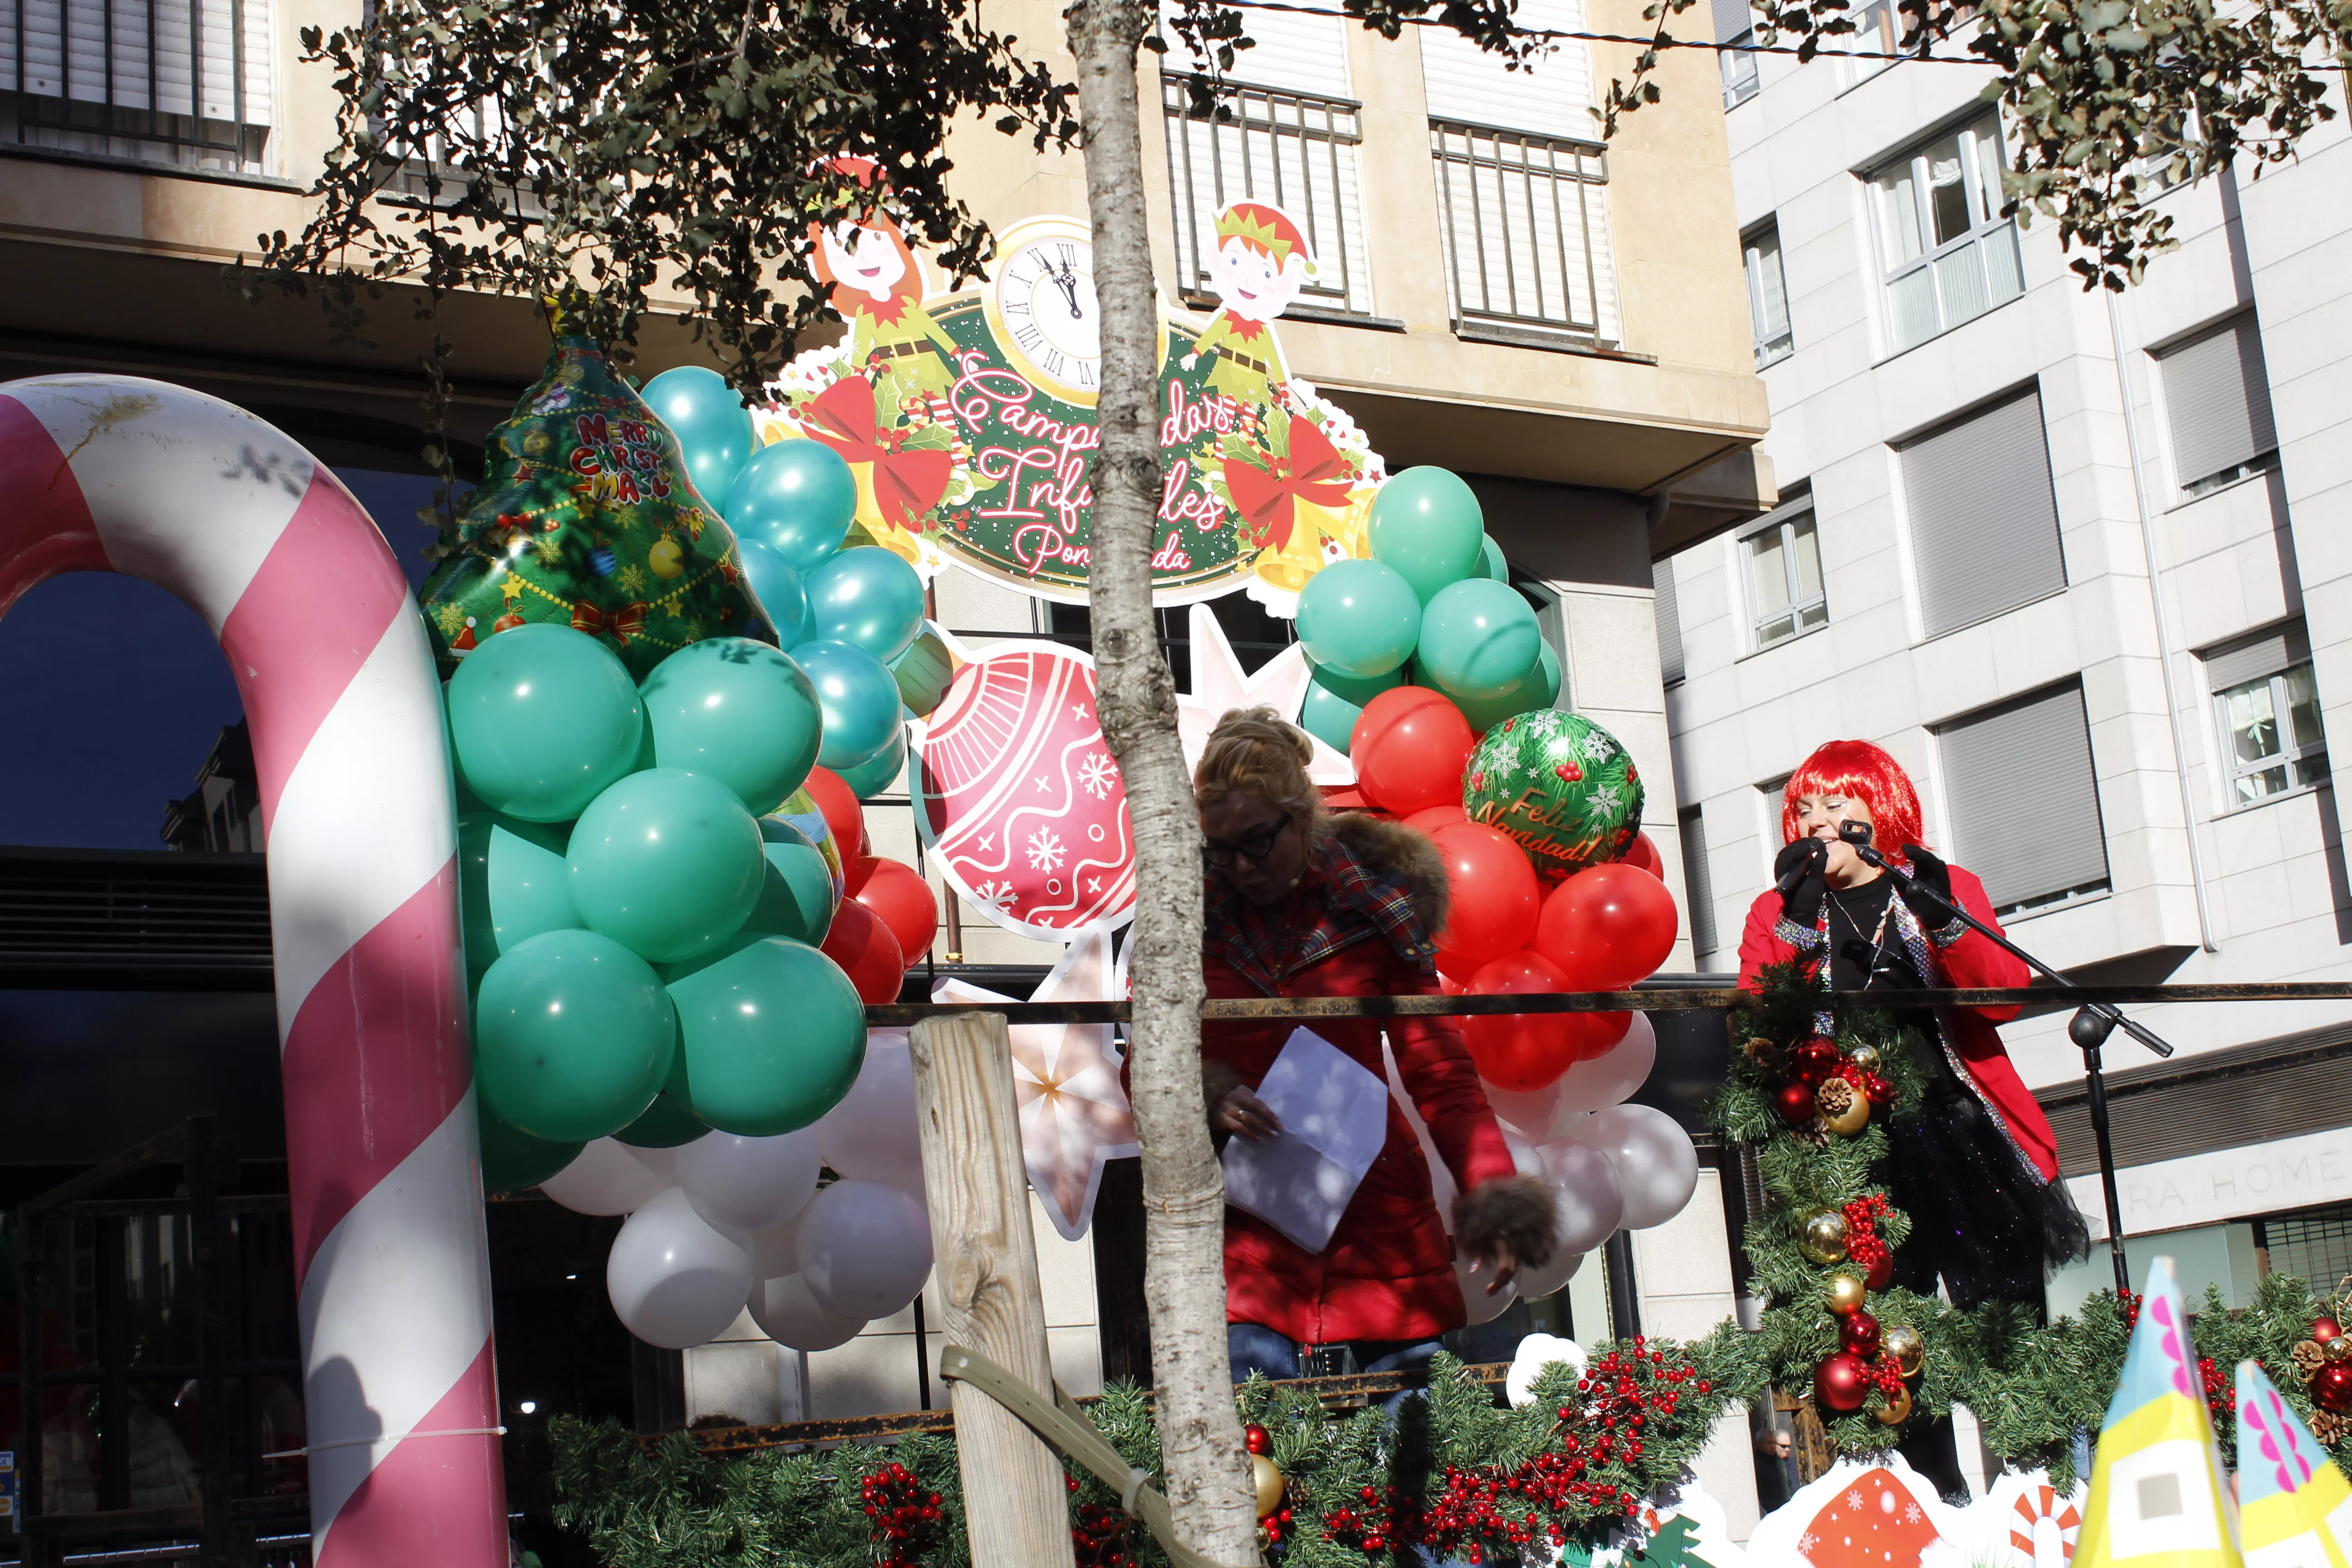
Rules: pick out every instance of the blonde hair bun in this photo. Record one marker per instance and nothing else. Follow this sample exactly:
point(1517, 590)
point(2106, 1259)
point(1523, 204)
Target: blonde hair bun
point(1255, 750)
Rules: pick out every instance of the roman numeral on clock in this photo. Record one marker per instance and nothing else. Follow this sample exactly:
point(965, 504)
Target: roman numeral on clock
point(1028, 337)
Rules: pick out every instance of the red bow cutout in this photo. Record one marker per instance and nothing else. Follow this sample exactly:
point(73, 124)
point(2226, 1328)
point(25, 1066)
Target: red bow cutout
point(905, 484)
point(626, 622)
point(1314, 471)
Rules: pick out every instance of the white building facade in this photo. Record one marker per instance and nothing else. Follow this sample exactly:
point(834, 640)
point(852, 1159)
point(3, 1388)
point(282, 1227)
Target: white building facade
point(2084, 564)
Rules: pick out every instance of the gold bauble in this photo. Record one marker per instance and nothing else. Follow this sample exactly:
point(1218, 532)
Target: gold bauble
point(2337, 1349)
point(1866, 1058)
point(1897, 1409)
point(1269, 1484)
point(1852, 1112)
point(1845, 1293)
point(1825, 1238)
point(1901, 1345)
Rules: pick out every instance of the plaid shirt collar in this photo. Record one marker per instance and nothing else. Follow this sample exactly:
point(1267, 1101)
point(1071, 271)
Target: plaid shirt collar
point(1347, 902)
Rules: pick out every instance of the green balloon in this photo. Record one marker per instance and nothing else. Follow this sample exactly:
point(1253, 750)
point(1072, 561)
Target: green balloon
point(1335, 700)
point(1426, 524)
point(1539, 690)
point(1560, 786)
point(1359, 619)
point(801, 890)
point(1478, 640)
point(572, 1037)
point(738, 711)
point(664, 1125)
point(773, 1035)
point(1491, 563)
point(513, 1158)
point(544, 720)
point(667, 863)
point(879, 771)
point(513, 885)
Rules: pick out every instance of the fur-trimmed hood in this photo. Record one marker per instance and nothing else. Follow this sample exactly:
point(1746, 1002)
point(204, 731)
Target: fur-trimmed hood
point(1393, 849)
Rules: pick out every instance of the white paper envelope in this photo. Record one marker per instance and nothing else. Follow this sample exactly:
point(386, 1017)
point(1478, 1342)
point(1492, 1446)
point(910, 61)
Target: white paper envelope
point(1334, 1115)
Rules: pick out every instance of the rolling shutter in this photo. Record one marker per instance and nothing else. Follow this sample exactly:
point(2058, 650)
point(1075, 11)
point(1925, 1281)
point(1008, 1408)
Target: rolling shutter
point(1554, 98)
point(2272, 652)
point(1670, 621)
point(2037, 751)
point(2219, 396)
point(1698, 882)
point(131, 55)
point(1731, 21)
point(1984, 521)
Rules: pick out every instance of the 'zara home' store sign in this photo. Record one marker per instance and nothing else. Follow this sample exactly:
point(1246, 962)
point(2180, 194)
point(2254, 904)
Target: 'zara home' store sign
point(2228, 1183)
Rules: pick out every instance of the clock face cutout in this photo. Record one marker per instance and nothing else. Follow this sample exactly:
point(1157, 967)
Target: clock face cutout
point(1042, 309)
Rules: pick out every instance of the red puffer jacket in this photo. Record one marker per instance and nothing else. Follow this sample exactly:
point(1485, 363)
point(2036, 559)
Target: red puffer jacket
point(1376, 890)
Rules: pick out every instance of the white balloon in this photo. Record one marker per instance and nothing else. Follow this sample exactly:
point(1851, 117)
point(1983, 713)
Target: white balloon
point(1536, 1283)
point(749, 1184)
point(1608, 1078)
point(1656, 1166)
point(1529, 1111)
point(865, 1248)
point(776, 1250)
point(1587, 1193)
point(871, 1136)
point(1483, 1307)
point(1523, 1153)
point(607, 1178)
point(674, 1280)
point(788, 1313)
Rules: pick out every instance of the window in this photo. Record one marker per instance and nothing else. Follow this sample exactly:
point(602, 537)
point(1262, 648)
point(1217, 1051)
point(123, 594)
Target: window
point(1733, 26)
point(182, 83)
point(1780, 556)
point(1946, 254)
point(1878, 28)
point(1768, 295)
point(1668, 610)
point(2266, 708)
point(1984, 518)
point(2219, 396)
point(1698, 882)
point(2024, 801)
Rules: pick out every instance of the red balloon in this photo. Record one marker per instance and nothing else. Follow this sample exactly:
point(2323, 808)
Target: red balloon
point(1494, 900)
point(839, 803)
point(1434, 819)
point(1643, 856)
point(1607, 927)
point(1521, 1050)
point(1410, 746)
point(866, 951)
point(893, 891)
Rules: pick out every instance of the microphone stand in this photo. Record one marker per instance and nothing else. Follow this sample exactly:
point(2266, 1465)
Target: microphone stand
point(2089, 1029)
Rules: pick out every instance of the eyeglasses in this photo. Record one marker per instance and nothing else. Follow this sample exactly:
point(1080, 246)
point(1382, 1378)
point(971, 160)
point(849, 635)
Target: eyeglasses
point(1255, 847)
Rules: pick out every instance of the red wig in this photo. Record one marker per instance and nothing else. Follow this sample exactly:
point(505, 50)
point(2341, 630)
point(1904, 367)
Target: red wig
point(1862, 772)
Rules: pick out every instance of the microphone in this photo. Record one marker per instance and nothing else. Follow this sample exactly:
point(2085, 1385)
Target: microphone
point(1858, 835)
point(1814, 858)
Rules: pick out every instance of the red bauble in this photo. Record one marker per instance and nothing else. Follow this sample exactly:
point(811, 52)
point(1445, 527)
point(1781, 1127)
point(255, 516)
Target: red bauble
point(867, 952)
point(1882, 1272)
point(896, 893)
point(1879, 1090)
point(1410, 746)
point(2331, 1387)
point(842, 812)
point(1794, 1102)
point(1492, 910)
point(1643, 856)
point(1606, 926)
point(1525, 1050)
point(1858, 1332)
point(2324, 1329)
point(1842, 1381)
point(1813, 1061)
point(1257, 1440)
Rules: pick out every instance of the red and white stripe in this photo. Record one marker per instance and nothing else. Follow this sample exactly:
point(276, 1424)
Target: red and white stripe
point(114, 473)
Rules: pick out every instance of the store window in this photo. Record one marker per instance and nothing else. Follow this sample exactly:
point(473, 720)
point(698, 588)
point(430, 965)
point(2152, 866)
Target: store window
point(2218, 394)
point(1945, 250)
point(1780, 556)
point(1733, 24)
point(2266, 709)
point(2026, 762)
point(1983, 516)
point(1768, 295)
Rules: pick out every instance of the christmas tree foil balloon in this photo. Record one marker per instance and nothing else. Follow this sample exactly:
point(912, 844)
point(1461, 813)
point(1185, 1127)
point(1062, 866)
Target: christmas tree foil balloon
point(586, 518)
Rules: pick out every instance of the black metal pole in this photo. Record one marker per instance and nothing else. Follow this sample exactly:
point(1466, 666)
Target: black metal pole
point(2089, 1031)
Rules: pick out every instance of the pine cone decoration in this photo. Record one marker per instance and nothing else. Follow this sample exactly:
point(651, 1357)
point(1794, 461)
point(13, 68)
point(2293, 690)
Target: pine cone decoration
point(2308, 1357)
point(1835, 1097)
point(1763, 1055)
point(2327, 1427)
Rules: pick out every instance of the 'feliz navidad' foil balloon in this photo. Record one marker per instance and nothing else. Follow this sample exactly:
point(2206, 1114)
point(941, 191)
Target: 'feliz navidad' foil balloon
point(1562, 788)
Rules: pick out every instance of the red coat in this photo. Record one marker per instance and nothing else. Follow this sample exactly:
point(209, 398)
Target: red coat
point(1968, 960)
point(1387, 1271)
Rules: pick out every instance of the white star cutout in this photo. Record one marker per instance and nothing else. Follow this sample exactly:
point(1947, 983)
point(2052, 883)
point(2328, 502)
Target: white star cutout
point(1219, 686)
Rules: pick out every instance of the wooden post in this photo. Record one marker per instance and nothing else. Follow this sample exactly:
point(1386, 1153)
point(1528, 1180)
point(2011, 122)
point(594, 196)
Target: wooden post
point(1016, 1507)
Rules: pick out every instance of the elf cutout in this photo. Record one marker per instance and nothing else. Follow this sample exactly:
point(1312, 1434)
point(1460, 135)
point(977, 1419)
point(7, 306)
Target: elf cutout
point(1261, 265)
point(877, 287)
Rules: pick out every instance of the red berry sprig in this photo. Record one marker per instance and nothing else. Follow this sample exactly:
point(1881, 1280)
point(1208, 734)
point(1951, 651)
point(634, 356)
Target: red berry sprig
point(1863, 1243)
point(905, 1515)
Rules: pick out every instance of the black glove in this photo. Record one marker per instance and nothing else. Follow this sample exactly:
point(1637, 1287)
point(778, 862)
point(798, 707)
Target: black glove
point(1802, 873)
point(1928, 875)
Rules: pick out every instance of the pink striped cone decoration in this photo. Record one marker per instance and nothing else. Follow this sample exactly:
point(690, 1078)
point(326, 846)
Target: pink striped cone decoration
point(114, 473)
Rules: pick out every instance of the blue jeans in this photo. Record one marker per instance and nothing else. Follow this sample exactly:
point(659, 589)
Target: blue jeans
point(1254, 1347)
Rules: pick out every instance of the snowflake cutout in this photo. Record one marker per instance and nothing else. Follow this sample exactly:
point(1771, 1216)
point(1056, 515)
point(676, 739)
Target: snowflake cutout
point(1045, 851)
point(633, 579)
point(1911, 1514)
point(1098, 774)
point(996, 895)
point(1807, 1541)
point(452, 618)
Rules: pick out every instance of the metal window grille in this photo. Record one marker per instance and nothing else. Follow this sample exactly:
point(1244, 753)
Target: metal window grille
point(2315, 1246)
point(1526, 228)
point(1947, 253)
point(184, 83)
point(1297, 150)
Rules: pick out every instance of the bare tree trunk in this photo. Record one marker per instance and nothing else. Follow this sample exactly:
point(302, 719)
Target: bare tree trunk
point(1208, 1475)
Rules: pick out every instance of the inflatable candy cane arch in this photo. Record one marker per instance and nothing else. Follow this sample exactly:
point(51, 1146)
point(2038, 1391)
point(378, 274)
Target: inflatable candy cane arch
point(115, 474)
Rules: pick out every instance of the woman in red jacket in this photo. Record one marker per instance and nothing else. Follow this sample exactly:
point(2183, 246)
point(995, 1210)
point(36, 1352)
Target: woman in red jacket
point(1301, 903)
point(1978, 1173)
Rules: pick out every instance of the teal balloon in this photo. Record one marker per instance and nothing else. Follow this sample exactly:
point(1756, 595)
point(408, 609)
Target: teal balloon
point(1335, 700)
point(544, 719)
point(738, 712)
point(868, 596)
point(1426, 524)
point(714, 430)
point(1539, 690)
point(773, 1035)
point(880, 770)
point(513, 1160)
point(1491, 565)
point(667, 863)
point(797, 895)
point(664, 1125)
point(778, 588)
point(1479, 639)
point(460, 792)
point(796, 496)
point(1359, 618)
point(572, 1037)
point(513, 884)
point(859, 697)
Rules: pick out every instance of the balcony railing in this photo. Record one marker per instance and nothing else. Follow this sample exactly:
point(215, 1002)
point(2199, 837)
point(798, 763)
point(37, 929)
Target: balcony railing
point(184, 83)
point(1297, 150)
point(1527, 231)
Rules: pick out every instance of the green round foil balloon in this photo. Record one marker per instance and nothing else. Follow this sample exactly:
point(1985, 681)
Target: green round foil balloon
point(803, 812)
point(1359, 619)
point(513, 885)
point(513, 1160)
point(665, 1124)
point(543, 719)
point(667, 863)
point(924, 670)
point(1335, 700)
point(1478, 640)
point(1559, 785)
point(802, 887)
point(773, 1035)
point(737, 711)
point(572, 1037)
point(1539, 690)
point(1426, 524)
